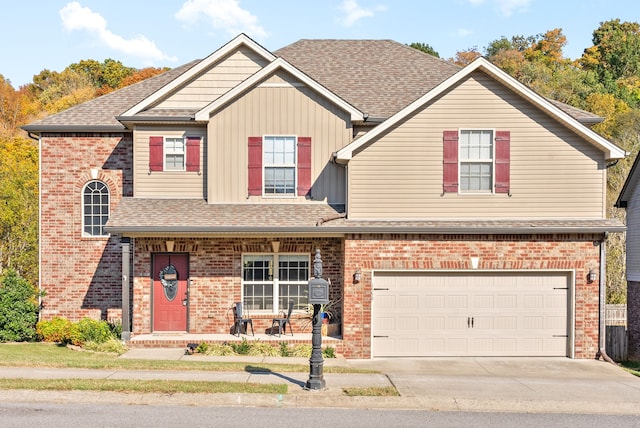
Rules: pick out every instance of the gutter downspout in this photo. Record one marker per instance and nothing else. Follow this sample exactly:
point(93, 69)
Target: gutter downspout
point(40, 302)
point(602, 344)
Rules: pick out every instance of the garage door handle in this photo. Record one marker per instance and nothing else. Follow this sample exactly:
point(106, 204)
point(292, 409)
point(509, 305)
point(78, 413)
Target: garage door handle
point(379, 336)
point(470, 322)
point(560, 335)
point(386, 289)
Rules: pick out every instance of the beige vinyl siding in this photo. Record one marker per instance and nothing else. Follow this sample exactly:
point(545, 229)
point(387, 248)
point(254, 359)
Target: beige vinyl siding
point(166, 184)
point(279, 106)
point(554, 173)
point(226, 74)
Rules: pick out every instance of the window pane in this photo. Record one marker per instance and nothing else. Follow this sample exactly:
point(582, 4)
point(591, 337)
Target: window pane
point(279, 157)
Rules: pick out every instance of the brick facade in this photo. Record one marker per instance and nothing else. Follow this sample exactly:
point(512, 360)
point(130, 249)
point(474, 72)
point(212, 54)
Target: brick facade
point(80, 275)
point(215, 271)
point(453, 252)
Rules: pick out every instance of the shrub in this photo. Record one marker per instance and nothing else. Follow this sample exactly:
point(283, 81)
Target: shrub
point(18, 308)
point(55, 330)
point(202, 348)
point(115, 326)
point(90, 330)
point(284, 349)
point(329, 352)
point(241, 348)
point(263, 349)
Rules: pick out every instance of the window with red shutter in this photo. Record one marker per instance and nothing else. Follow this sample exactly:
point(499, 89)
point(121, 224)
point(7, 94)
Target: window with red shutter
point(156, 153)
point(503, 162)
point(450, 162)
point(255, 166)
point(304, 165)
point(193, 154)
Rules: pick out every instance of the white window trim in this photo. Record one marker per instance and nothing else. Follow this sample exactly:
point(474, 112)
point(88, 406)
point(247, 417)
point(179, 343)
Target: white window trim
point(275, 281)
point(295, 167)
point(492, 185)
point(165, 153)
point(84, 233)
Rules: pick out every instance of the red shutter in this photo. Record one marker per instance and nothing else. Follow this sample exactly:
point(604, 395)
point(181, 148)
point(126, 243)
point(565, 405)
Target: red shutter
point(304, 165)
point(450, 161)
point(193, 154)
point(503, 160)
point(156, 153)
point(255, 166)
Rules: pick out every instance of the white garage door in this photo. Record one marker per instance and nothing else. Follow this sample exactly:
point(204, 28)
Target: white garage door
point(470, 314)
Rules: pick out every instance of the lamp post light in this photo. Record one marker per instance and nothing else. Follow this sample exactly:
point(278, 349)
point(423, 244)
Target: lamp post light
point(318, 295)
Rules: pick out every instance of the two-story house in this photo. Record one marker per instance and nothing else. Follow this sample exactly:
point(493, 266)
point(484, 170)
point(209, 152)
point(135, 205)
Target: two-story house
point(458, 213)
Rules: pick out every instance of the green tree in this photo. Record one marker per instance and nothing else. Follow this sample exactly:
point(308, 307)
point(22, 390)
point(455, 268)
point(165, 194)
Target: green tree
point(426, 48)
point(18, 308)
point(615, 59)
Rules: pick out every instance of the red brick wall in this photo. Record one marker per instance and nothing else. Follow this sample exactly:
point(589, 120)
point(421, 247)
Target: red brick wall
point(81, 276)
point(451, 252)
point(215, 271)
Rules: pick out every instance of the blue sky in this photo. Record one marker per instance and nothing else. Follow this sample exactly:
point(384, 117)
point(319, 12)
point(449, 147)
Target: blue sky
point(52, 34)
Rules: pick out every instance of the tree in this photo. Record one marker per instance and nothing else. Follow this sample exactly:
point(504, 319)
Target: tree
point(19, 207)
point(615, 58)
point(426, 48)
point(465, 57)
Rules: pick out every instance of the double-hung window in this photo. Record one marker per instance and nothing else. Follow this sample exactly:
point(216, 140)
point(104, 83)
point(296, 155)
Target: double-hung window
point(174, 154)
point(279, 165)
point(476, 161)
point(271, 281)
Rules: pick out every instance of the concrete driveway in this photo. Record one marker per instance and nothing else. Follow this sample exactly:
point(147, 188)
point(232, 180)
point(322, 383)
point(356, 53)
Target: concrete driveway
point(512, 384)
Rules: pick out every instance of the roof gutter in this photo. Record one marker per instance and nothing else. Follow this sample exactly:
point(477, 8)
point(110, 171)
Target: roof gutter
point(318, 229)
point(73, 128)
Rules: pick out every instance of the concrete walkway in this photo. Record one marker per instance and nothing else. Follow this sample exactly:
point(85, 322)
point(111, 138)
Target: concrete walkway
point(439, 384)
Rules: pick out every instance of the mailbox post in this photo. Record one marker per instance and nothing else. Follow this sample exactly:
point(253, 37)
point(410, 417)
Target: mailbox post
point(318, 295)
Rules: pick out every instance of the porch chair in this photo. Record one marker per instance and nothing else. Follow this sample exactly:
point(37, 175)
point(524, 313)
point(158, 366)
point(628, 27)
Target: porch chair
point(239, 322)
point(283, 321)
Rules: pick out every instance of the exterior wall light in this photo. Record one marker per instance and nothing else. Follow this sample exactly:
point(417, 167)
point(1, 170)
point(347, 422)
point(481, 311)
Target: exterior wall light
point(592, 276)
point(357, 276)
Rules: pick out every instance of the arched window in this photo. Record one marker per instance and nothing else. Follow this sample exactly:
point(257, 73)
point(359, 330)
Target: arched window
point(95, 208)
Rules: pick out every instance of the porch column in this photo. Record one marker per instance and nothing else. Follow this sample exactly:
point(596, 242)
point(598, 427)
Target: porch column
point(126, 270)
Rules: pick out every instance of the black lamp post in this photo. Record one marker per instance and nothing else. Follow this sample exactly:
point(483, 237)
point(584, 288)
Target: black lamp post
point(318, 295)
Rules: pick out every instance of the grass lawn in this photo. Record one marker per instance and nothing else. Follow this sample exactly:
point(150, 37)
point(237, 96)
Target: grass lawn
point(55, 356)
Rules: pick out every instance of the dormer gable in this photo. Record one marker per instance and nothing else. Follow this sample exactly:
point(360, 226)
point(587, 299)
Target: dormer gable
point(176, 94)
point(278, 64)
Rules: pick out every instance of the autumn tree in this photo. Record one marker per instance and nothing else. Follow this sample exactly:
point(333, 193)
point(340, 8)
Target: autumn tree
point(19, 207)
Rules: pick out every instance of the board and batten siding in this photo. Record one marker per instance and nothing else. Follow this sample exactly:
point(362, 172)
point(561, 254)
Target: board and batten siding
point(277, 106)
point(553, 173)
point(166, 184)
point(633, 236)
point(219, 79)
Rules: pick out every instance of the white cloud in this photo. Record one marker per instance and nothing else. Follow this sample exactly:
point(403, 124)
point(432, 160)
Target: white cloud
point(354, 12)
point(226, 15)
point(508, 7)
point(78, 18)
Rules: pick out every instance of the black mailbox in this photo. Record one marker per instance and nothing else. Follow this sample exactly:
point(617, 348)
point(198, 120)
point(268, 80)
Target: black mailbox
point(318, 291)
point(318, 287)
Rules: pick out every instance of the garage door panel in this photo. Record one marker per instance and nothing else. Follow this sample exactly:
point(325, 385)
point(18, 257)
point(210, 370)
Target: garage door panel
point(429, 314)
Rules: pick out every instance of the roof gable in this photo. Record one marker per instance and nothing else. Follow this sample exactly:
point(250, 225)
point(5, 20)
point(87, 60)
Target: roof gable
point(255, 79)
point(611, 150)
point(199, 68)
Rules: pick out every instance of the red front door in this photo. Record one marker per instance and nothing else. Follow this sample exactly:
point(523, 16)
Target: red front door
point(170, 274)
